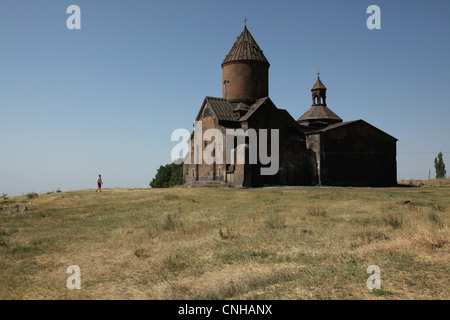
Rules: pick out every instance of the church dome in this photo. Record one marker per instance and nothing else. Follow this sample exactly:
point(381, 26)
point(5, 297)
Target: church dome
point(245, 48)
point(245, 71)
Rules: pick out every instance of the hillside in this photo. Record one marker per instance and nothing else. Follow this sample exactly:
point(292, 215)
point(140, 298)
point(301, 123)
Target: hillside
point(219, 243)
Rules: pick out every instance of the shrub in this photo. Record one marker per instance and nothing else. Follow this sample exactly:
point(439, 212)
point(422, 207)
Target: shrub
point(168, 176)
point(4, 196)
point(32, 195)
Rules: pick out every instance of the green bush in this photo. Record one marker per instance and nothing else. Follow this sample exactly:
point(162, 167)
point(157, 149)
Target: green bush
point(32, 195)
point(168, 176)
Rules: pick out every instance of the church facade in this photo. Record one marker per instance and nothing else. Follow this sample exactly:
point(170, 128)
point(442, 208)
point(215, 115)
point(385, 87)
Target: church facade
point(318, 148)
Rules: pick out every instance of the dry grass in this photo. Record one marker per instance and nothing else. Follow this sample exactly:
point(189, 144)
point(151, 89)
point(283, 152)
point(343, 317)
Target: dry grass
point(444, 182)
point(220, 243)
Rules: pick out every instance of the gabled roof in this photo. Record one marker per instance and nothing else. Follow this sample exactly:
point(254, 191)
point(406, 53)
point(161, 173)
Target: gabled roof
point(341, 124)
point(334, 126)
point(245, 48)
point(318, 85)
point(221, 108)
point(319, 112)
point(254, 107)
point(290, 122)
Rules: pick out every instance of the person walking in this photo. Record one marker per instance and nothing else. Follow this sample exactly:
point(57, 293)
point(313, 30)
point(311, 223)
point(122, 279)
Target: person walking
point(99, 183)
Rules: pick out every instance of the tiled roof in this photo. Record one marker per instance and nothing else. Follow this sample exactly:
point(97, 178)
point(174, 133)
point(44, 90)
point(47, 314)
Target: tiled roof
point(221, 108)
point(318, 112)
point(242, 107)
point(318, 85)
point(245, 48)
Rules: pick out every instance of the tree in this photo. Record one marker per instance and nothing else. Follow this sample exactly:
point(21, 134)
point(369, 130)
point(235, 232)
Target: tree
point(168, 176)
point(439, 165)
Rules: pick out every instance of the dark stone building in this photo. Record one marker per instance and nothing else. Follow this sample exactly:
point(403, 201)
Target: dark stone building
point(317, 149)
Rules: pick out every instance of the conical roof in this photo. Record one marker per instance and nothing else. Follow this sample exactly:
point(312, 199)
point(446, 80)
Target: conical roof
point(245, 48)
point(318, 85)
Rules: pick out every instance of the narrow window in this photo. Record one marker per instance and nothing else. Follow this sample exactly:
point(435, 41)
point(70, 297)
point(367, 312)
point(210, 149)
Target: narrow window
point(225, 88)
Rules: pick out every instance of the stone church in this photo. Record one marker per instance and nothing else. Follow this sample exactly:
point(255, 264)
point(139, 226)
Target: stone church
point(318, 148)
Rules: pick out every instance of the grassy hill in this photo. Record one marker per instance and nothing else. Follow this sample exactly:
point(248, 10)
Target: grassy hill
point(219, 243)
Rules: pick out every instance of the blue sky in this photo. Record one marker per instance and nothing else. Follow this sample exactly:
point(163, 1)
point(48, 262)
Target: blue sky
point(106, 98)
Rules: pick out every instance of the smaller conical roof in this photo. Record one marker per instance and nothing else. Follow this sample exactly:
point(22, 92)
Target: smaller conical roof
point(318, 85)
point(245, 48)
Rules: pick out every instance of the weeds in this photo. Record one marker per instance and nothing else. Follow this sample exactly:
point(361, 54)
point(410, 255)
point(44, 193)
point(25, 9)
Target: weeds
point(233, 288)
point(381, 293)
point(438, 207)
point(229, 234)
point(395, 221)
point(32, 195)
point(266, 248)
point(435, 217)
point(276, 221)
point(172, 223)
point(317, 212)
point(140, 253)
point(174, 263)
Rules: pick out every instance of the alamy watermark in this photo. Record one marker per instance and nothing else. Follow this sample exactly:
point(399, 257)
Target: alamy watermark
point(74, 20)
point(208, 147)
point(374, 21)
point(374, 281)
point(74, 280)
